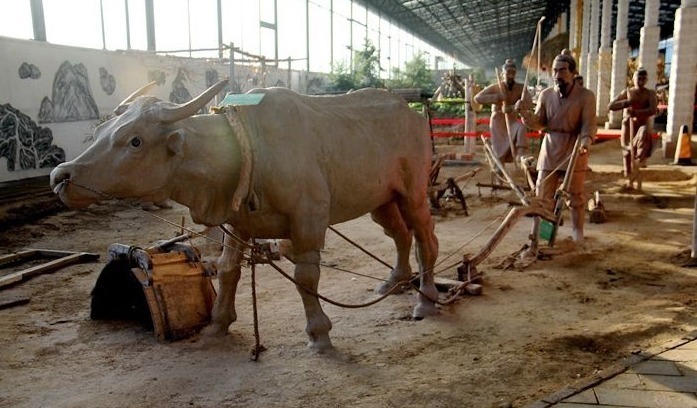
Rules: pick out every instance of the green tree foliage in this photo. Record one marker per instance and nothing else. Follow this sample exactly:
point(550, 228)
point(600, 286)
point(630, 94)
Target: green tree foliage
point(341, 79)
point(366, 66)
point(363, 74)
point(477, 74)
point(416, 74)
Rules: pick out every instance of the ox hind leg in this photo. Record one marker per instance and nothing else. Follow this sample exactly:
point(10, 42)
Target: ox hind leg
point(229, 272)
point(392, 222)
point(417, 217)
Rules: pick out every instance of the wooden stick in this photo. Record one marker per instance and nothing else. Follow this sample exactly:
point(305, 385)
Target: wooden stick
point(443, 186)
point(539, 52)
point(7, 302)
point(488, 150)
point(534, 44)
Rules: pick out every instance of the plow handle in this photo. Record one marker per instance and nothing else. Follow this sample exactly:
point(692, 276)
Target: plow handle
point(561, 193)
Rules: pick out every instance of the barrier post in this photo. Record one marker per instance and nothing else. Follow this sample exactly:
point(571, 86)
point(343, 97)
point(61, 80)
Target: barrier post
point(683, 151)
point(470, 121)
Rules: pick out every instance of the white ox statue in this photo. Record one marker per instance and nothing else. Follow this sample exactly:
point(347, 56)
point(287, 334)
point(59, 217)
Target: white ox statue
point(315, 161)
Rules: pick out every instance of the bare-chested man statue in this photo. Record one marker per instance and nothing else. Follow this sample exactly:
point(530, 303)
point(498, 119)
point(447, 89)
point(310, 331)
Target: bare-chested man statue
point(640, 104)
point(502, 97)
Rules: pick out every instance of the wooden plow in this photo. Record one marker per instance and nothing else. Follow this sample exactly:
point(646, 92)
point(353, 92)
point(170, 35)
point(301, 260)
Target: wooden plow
point(530, 206)
point(449, 189)
point(527, 164)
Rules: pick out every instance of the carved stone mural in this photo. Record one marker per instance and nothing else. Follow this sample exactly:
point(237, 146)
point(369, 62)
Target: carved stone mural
point(24, 144)
point(179, 92)
point(72, 98)
point(235, 87)
point(158, 76)
point(107, 81)
point(46, 111)
point(29, 71)
point(211, 77)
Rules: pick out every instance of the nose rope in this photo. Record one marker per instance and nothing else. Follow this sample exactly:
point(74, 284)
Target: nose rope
point(134, 207)
point(464, 245)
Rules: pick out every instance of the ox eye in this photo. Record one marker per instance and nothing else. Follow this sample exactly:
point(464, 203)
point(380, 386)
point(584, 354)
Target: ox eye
point(136, 142)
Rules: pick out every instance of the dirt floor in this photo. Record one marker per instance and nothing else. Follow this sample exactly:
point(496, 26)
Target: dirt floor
point(530, 333)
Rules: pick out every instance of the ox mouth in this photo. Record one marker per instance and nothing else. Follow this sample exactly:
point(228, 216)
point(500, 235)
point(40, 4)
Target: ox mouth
point(58, 188)
point(61, 190)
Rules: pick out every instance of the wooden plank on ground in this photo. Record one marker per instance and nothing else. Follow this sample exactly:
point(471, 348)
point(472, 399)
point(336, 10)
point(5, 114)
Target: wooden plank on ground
point(71, 258)
point(11, 301)
point(17, 256)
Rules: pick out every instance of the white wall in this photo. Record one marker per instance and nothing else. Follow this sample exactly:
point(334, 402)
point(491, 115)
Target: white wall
point(73, 120)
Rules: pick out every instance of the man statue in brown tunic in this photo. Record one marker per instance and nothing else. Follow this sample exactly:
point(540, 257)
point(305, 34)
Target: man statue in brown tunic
point(502, 97)
point(566, 112)
point(640, 104)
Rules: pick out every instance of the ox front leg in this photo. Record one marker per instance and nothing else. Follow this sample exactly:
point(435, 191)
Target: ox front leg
point(307, 276)
point(229, 272)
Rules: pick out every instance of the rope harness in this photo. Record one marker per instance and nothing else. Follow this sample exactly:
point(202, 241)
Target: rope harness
point(258, 253)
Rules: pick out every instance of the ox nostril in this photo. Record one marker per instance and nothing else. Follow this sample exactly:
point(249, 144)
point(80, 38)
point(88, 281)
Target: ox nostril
point(58, 176)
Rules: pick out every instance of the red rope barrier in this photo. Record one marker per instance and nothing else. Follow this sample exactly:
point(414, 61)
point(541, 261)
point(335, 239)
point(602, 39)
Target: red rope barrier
point(456, 121)
point(534, 135)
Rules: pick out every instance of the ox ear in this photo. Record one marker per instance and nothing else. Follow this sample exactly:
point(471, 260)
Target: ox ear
point(121, 109)
point(175, 143)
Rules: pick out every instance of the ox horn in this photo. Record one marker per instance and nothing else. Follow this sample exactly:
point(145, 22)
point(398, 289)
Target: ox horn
point(126, 102)
point(168, 115)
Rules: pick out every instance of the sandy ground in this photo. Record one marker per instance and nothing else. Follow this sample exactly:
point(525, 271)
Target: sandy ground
point(531, 332)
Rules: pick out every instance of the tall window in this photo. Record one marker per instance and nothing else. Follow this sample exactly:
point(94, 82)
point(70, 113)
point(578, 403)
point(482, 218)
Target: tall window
point(15, 21)
point(190, 26)
point(76, 22)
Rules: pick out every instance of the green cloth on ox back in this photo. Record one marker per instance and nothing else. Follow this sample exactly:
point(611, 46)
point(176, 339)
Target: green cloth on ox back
point(241, 99)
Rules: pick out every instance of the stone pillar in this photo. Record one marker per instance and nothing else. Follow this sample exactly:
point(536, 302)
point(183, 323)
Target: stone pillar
point(620, 55)
point(573, 21)
point(591, 77)
point(585, 29)
point(650, 35)
point(602, 93)
point(683, 76)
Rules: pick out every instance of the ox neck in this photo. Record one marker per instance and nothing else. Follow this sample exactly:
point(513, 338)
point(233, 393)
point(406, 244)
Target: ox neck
point(208, 175)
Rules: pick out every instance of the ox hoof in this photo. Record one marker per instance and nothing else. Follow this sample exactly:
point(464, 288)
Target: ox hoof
point(320, 344)
point(384, 287)
point(424, 309)
point(527, 257)
point(214, 330)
